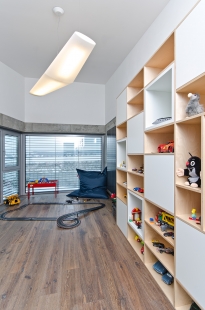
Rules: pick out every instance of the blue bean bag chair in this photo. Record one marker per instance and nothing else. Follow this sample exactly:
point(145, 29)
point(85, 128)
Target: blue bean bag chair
point(93, 184)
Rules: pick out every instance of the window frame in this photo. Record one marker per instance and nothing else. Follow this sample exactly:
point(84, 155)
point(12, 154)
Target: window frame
point(3, 169)
point(23, 169)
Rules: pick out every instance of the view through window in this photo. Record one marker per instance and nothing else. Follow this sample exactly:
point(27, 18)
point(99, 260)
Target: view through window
point(11, 166)
point(57, 157)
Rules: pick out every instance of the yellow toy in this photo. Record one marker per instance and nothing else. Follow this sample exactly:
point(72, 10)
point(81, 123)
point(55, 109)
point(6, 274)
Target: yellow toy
point(12, 200)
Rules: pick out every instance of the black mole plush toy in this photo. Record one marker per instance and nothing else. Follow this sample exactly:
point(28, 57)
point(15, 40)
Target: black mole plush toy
point(192, 171)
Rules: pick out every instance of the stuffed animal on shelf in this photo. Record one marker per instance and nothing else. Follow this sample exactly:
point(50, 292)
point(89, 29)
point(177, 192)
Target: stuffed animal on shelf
point(194, 107)
point(192, 171)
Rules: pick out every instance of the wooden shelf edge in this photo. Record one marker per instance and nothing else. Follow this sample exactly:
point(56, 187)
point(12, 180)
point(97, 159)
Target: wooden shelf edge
point(167, 262)
point(135, 173)
point(121, 184)
point(187, 119)
point(159, 153)
point(135, 154)
point(138, 232)
point(136, 193)
point(189, 188)
point(122, 140)
point(168, 211)
point(121, 169)
point(135, 115)
point(185, 218)
point(162, 72)
point(142, 89)
point(180, 89)
point(161, 233)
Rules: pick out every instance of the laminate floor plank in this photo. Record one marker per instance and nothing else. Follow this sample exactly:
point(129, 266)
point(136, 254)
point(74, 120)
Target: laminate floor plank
point(90, 267)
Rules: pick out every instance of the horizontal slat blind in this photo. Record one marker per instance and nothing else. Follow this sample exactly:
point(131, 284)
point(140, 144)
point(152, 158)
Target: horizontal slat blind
point(10, 183)
point(57, 157)
point(11, 151)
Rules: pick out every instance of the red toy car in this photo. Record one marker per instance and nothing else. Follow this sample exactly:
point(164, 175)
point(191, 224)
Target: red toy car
point(166, 148)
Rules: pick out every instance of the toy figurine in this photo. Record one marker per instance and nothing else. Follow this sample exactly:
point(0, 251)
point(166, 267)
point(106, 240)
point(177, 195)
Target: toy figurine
point(194, 107)
point(192, 171)
point(193, 215)
point(134, 212)
point(43, 180)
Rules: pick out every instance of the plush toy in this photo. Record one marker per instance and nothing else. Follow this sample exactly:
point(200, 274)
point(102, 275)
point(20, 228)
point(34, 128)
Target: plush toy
point(192, 171)
point(194, 107)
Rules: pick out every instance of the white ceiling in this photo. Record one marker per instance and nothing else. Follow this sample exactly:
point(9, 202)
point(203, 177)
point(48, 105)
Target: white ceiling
point(30, 40)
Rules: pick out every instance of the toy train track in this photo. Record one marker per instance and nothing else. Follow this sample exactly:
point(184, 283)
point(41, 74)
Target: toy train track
point(72, 217)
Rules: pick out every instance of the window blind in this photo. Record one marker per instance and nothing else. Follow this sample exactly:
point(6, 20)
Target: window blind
point(57, 157)
point(11, 165)
point(11, 147)
point(10, 183)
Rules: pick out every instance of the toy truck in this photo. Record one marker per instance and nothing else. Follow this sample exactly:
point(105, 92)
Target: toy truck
point(12, 200)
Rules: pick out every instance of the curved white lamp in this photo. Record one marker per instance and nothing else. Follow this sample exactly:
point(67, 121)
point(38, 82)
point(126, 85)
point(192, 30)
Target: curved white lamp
point(66, 66)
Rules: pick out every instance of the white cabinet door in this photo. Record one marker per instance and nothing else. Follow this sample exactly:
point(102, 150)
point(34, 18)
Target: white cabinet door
point(135, 134)
point(159, 180)
point(190, 260)
point(190, 46)
point(121, 212)
point(122, 108)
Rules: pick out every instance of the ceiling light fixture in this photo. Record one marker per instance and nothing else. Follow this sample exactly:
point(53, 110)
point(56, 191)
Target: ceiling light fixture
point(67, 64)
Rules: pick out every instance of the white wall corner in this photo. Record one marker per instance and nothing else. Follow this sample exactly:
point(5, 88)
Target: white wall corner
point(12, 86)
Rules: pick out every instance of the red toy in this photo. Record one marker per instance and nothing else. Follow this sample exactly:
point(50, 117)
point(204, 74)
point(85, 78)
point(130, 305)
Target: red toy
point(113, 195)
point(166, 148)
point(136, 211)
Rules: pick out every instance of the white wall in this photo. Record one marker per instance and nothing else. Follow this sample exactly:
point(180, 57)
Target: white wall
point(154, 37)
point(77, 103)
point(12, 93)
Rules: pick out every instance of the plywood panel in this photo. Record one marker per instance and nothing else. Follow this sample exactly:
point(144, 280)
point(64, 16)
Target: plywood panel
point(138, 80)
point(159, 180)
point(121, 116)
point(164, 56)
point(190, 62)
point(135, 130)
point(121, 216)
point(189, 251)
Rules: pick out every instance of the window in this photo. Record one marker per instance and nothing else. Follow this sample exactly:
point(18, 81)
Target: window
point(56, 157)
point(10, 163)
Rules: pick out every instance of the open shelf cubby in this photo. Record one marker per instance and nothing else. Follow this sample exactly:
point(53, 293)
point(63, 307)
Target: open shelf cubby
point(135, 161)
point(135, 86)
point(135, 202)
point(188, 140)
point(150, 259)
point(121, 177)
point(185, 201)
point(194, 86)
point(159, 99)
point(161, 59)
point(134, 180)
point(151, 211)
point(153, 138)
point(122, 193)
point(182, 300)
point(121, 154)
point(167, 260)
point(121, 131)
point(136, 105)
point(134, 243)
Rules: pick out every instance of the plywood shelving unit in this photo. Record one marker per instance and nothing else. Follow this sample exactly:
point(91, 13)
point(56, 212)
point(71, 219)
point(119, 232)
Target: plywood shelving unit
point(152, 94)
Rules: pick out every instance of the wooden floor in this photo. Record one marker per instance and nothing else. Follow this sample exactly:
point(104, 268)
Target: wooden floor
point(90, 267)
